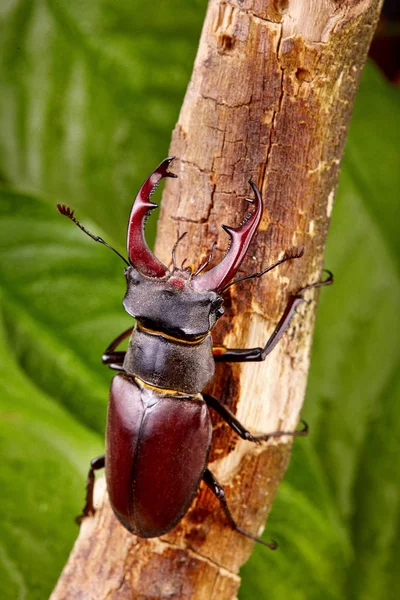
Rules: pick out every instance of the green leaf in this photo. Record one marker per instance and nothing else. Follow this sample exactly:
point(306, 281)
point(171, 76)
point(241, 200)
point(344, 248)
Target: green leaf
point(90, 94)
point(43, 450)
point(49, 386)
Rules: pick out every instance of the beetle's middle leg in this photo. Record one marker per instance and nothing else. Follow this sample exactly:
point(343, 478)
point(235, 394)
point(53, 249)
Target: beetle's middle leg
point(88, 509)
point(115, 359)
point(222, 354)
point(241, 430)
point(218, 491)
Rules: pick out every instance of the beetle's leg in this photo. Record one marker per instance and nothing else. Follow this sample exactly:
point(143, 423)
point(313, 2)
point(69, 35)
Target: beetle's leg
point(222, 354)
point(218, 491)
point(88, 509)
point(241, 430)
point(114, 358)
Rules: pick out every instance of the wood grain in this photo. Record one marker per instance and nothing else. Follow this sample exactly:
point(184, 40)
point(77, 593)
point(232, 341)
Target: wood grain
point(270, 99)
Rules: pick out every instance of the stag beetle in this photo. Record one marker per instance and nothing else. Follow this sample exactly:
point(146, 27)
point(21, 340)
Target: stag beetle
point(159, 428)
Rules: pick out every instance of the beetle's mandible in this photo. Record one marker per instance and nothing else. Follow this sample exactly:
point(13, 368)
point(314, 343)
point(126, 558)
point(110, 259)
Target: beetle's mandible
point(159, 428)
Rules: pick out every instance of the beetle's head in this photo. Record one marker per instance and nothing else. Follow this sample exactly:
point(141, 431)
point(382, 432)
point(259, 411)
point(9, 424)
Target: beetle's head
point(179, 302)
point(170, 304)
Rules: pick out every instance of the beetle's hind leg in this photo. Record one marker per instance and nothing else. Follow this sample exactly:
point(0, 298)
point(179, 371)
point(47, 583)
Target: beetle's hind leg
point(241, 430)
point(88, 509)
point(218, 491)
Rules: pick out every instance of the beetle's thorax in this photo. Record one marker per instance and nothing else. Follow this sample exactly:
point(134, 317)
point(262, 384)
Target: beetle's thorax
point(170, 363)
point(171, 347)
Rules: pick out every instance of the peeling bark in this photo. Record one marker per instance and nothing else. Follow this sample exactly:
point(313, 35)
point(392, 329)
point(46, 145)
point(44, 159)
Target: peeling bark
point(270, 99)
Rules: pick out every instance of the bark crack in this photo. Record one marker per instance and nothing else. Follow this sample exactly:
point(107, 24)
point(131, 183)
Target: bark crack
point(276, 111)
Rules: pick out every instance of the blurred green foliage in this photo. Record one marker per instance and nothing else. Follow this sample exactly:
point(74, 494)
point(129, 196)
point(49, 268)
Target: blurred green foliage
point(90, 92)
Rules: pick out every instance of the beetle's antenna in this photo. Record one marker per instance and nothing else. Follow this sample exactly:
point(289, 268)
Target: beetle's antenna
point(68, 212)
point(289, 255)
point(180, 238)
point(209, 259)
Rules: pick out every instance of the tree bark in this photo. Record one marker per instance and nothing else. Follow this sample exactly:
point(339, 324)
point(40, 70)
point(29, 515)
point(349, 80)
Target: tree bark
point(270, 99)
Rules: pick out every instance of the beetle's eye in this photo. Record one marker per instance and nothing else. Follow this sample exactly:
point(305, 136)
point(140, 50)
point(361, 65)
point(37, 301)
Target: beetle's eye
point(217, 307)
point(217, 303)
point(132, 276)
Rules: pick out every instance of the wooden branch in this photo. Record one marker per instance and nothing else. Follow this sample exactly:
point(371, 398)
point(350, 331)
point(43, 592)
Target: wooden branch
point(270, 98)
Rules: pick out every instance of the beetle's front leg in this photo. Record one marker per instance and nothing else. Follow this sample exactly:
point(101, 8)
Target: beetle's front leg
point(222, 354)
point(115, 359)
point(240, 429)
point(88, 509)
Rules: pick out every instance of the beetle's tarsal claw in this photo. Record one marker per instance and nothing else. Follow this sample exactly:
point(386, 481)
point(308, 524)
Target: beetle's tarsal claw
point(273, 545)
point(305, 430)
point(330, 278)
point(317, 284)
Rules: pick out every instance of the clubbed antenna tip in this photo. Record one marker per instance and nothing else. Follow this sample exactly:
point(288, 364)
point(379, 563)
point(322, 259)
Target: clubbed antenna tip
point(67, 211)
point(295, 252)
